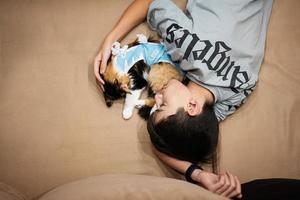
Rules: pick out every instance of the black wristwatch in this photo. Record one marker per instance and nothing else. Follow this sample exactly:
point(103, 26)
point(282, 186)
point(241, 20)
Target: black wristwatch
point(189, 172)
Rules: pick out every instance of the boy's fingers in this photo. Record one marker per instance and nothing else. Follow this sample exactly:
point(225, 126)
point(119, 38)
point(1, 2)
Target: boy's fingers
point(96, 65)
point(231, 187)
point(102, 88)
point(238, 188)
point(98, 77)
point(224, 185)
point(101, 81)
point(103, 65)
point(218, 185)
point(97, 62)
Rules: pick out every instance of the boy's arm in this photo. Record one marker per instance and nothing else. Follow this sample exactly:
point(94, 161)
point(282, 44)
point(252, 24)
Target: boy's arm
point(178, 165)
point(225, 185)
point(134, 15)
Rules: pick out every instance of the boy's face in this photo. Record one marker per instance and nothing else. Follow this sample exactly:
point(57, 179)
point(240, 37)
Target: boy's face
point(173, 96)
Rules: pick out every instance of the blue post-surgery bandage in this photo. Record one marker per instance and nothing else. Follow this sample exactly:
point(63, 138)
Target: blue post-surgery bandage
point(151, 53)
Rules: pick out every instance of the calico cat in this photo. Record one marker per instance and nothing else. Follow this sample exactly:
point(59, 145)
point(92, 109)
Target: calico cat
point(132, 68)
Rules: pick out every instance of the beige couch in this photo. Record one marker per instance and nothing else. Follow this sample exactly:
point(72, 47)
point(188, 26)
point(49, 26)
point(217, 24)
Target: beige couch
point(58, 140)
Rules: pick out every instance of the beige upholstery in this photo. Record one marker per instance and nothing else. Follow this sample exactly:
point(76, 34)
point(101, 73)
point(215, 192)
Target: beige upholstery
point(55, 127)
point(133, 187)
point(6, 196)
point(9, 193)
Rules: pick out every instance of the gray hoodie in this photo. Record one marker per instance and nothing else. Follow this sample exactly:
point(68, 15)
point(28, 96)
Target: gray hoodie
point(219, 43)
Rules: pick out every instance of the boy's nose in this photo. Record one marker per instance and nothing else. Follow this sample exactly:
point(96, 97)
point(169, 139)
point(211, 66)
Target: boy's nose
point(158, 99)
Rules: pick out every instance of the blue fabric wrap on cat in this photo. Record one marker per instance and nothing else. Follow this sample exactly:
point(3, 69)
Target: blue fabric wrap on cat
point(151, 53)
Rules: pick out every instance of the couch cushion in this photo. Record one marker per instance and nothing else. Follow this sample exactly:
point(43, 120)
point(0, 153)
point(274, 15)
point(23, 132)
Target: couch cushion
point(124, 186)
point(55, 126)
point(9, 193)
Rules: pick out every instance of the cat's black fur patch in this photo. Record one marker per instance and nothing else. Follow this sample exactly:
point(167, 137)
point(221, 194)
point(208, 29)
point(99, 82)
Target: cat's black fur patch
point(144, 112)
point(112, 92)
point(136, 75)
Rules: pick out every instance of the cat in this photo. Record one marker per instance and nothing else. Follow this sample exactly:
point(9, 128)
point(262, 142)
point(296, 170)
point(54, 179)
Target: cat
point(132, 68)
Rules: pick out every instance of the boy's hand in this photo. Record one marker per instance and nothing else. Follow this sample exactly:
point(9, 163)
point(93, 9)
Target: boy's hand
point(101, 59)
point(226, 184)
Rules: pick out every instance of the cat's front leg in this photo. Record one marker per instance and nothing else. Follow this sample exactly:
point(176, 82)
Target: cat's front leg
point(130, 102)
point(145, 102)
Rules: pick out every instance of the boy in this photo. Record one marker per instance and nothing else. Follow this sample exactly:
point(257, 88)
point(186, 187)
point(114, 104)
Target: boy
point(220, 45)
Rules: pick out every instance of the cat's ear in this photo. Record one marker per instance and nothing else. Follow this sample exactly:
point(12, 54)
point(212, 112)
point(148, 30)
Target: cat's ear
point(125, 88)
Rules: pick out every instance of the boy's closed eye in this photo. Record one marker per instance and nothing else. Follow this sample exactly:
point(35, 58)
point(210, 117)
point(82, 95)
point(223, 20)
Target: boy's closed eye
point(159, 110)
point(161, 107)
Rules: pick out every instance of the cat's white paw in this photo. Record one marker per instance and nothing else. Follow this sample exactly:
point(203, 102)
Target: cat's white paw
point(127, 113)
point(140, 103)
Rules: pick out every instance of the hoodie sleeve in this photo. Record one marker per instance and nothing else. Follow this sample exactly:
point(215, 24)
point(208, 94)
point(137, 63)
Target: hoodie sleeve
point(163, 13)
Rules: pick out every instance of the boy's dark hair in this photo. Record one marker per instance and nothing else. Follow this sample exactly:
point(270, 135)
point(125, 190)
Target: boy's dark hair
point(189, 138)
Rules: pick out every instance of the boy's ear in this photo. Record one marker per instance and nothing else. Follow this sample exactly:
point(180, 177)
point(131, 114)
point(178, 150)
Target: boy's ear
point(125, 88)
point(194, 108)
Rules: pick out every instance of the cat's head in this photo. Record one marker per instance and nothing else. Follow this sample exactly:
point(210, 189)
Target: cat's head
point(116, 85)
